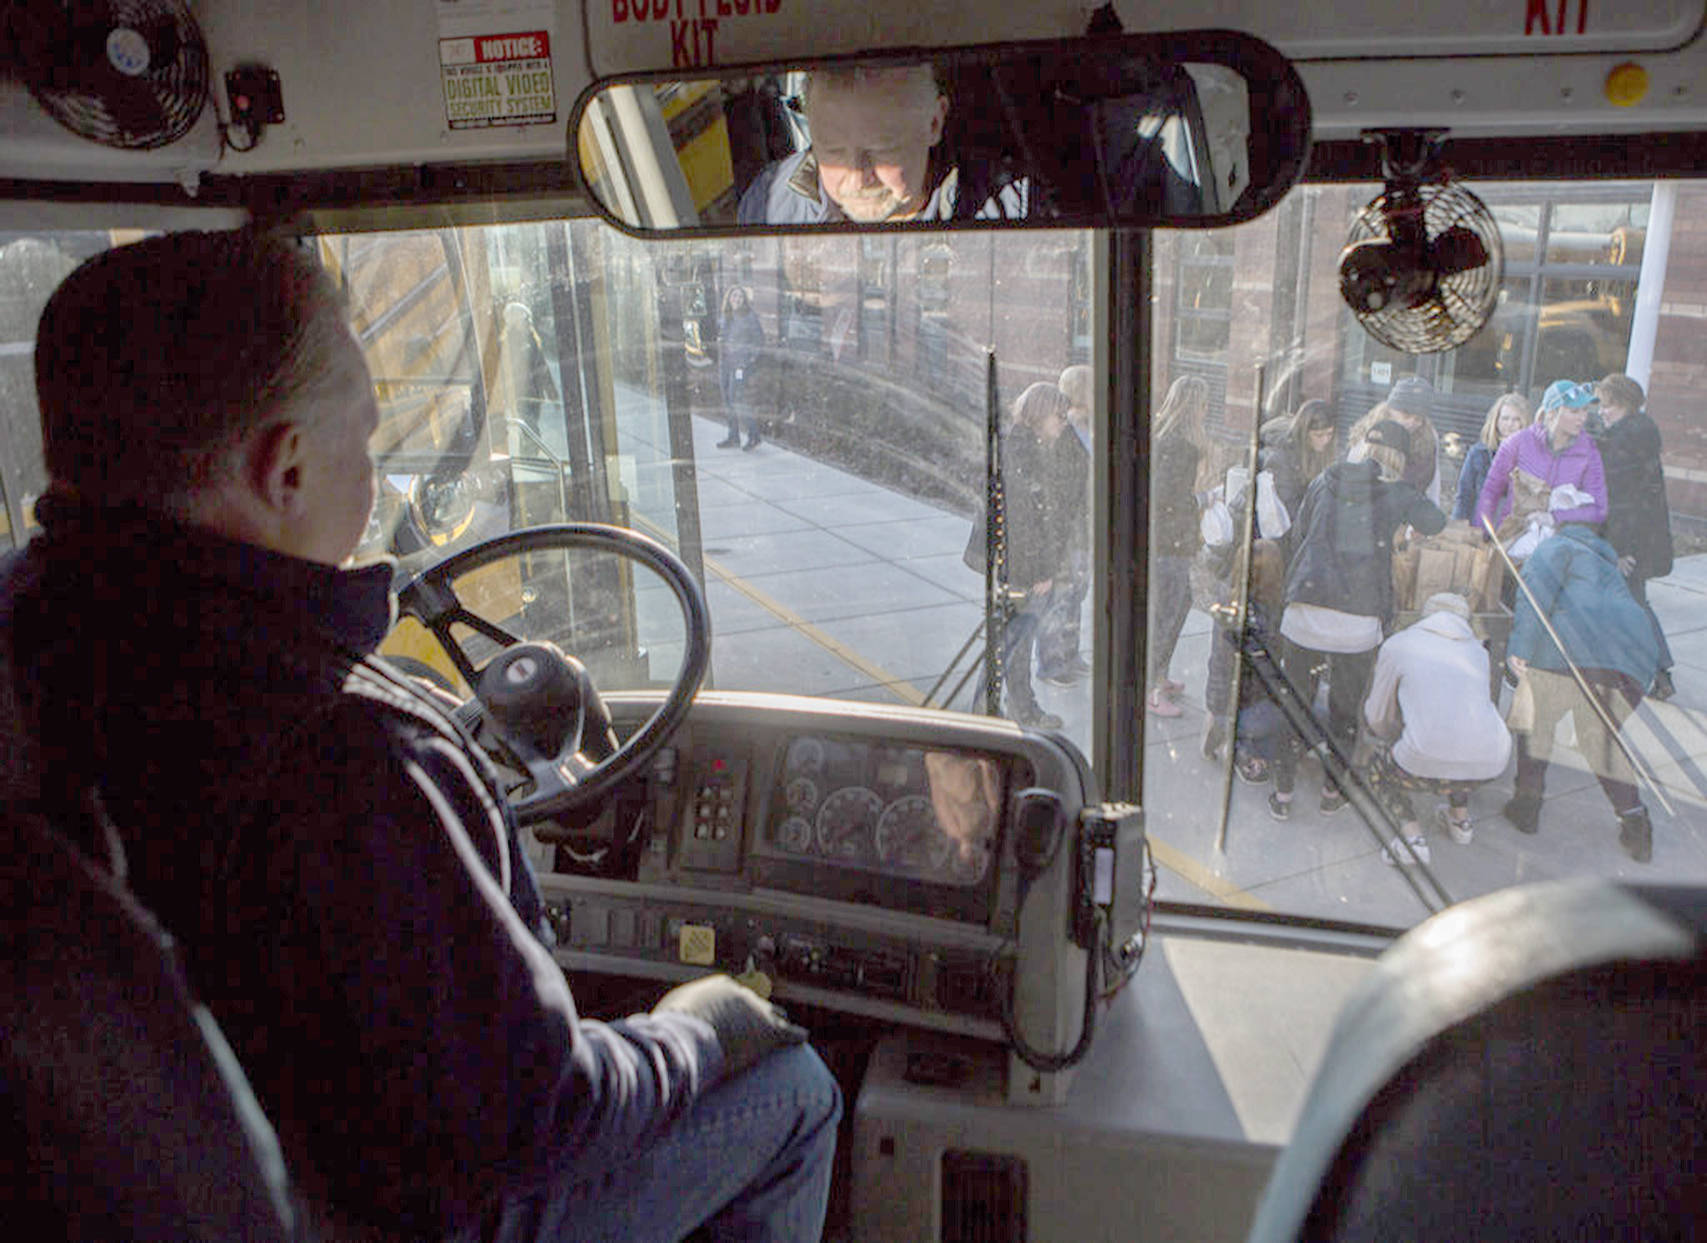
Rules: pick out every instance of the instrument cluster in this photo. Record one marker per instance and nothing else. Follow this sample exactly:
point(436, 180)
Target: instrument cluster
point(904, 811)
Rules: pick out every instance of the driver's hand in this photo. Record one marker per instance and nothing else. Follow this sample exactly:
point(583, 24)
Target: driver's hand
point(747, 1027)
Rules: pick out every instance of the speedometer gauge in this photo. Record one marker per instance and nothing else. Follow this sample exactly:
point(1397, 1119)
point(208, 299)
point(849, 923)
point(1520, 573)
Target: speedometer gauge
point(846, 821)
point(908, 836)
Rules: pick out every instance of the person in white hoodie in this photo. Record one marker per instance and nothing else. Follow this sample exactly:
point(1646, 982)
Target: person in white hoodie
point(1434, 723)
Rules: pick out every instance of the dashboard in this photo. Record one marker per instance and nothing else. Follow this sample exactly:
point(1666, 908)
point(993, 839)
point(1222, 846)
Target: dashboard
point(857, 857)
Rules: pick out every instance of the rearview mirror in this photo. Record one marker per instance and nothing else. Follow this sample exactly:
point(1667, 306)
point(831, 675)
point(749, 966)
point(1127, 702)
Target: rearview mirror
point(1183, 130)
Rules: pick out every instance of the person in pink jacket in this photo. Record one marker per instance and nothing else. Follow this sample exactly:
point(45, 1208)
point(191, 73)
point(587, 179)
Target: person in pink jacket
point(1556, 451)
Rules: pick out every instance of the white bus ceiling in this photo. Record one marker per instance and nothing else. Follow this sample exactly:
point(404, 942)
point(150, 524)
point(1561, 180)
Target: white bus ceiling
point(362, 84)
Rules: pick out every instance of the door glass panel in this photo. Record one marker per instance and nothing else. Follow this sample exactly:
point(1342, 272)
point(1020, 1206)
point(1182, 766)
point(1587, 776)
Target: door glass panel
point(1578, 259)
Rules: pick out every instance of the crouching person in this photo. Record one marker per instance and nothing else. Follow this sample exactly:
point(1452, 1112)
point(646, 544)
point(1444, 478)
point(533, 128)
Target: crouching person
point(1434, 727)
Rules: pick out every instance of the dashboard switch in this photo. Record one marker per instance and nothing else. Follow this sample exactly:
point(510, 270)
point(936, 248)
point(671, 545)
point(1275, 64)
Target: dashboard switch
point(697, 944)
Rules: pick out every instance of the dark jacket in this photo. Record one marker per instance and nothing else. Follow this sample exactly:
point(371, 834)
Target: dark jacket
point(1470, 480)
point(332, 857)
point(1577, 586)
point(740, 337)
point(1175, 528)
point(1037, 526)
point(1069, 494)
point(1342, 539)
point(1638, 523)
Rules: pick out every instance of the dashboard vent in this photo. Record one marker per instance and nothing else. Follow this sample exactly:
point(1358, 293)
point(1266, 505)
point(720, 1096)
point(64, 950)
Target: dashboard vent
point(983, 1198)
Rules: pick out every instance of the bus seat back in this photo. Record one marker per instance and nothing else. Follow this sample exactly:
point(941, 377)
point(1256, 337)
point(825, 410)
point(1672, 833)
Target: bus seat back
point(1528, 1064)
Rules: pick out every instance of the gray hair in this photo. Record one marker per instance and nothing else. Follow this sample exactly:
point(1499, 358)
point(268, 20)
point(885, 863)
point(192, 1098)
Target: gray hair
point(919, 76)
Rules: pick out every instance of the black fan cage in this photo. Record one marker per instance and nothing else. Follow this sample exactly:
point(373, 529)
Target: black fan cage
point(1461, 303)
point(77, 85)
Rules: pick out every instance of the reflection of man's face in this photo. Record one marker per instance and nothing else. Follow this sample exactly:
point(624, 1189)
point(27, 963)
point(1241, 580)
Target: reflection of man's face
point(873, 139)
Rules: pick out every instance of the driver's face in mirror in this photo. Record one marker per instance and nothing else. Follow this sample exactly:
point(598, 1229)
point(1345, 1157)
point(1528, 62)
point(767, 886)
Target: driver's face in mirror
point(873, 131)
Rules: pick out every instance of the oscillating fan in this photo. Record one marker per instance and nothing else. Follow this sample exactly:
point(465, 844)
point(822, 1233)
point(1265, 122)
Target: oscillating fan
point(1422, 264)
point(126, 73)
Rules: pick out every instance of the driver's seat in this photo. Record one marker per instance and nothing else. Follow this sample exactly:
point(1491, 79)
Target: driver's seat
point(125, 1114)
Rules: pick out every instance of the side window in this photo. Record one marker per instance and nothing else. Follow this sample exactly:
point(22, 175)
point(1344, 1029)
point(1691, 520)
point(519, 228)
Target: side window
point(31, 266)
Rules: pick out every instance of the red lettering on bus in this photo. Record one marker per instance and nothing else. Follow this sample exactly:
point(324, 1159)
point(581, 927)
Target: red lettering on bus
point(1537, 10)
point(522, 46)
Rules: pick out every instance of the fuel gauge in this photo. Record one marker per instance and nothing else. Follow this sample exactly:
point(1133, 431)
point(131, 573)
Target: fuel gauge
point(795, 834)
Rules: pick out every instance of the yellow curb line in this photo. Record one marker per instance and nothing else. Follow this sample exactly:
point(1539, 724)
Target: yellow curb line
point(1199, 875)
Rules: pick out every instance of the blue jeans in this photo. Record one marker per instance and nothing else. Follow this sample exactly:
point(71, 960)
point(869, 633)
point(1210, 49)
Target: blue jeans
point(750, 1161)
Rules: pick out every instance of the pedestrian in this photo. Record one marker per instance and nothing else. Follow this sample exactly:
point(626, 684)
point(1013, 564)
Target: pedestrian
point(1176, 501)
point(1410, 403)
point(1638, 521)
point(1510, 414)
point(740, 338)
point(1059, 661)
point(1037, 538)
point(1552, 453)
point(1295, 450)
point(1339, 587)
point(1573, 581)
point(1254, 722)
point(1432, 724)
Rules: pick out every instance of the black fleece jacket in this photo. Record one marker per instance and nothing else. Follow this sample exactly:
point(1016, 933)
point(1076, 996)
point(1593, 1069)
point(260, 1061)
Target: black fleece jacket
point(333, 859)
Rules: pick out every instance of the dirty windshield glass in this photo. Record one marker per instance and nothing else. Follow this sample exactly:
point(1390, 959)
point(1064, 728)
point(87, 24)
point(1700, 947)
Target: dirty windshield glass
point(813, 423)
point(805, 420)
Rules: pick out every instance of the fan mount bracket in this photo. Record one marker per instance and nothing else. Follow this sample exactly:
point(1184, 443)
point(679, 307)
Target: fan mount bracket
point(1408, 156)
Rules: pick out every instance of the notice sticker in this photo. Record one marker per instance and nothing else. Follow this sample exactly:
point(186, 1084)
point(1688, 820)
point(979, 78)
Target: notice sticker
point(500, 79)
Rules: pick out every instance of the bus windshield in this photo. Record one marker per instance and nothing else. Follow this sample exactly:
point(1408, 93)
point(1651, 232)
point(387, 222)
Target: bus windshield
point(814, 423)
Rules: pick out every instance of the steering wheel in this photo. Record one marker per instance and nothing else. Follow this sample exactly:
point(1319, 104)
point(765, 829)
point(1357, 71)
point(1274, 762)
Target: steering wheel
point(542, 702)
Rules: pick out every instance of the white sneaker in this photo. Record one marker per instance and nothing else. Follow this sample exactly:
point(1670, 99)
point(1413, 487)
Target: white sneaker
point(1458, 830)
point(1397, 855)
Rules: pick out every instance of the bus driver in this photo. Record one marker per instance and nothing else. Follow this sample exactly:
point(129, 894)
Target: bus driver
point(334, 859)
point(877, 155)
